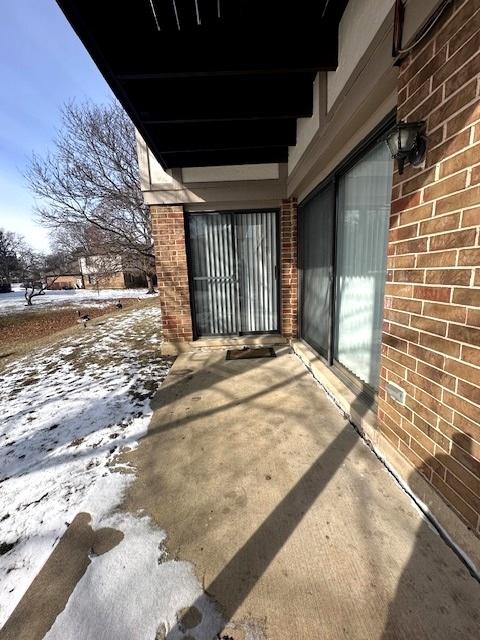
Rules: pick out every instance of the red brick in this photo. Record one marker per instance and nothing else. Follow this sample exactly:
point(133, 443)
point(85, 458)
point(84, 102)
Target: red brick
point(467, 257)
point(439, 294)
point(471, 355)
point(445, 311)
point(468, 30)
point(437, 259)
point(440, 223)
point(469, 297)
point(473, 317)
point(420, 60)
point(418, 181)
point(445, 187)
point(469, 391)
point(466, 512)
point(444, 379)
point(462, 333)
point(452, 25)
point(449, 276)
point(443, 345)
point(408, 275)
point(418, 245)
point(428, 324)
point(422, 212)
point(453, 239)
point(425, 355)
point(460, 161)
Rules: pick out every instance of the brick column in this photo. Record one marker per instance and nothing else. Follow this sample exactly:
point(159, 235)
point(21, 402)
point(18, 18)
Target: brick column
point(172, 273)
point(431, 343)
point(288, 268)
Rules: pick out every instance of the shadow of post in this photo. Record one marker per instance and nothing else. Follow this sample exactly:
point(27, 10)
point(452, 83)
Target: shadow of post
point(436, 596)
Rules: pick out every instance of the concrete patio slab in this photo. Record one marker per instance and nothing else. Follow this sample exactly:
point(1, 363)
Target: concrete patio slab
point(294, 526)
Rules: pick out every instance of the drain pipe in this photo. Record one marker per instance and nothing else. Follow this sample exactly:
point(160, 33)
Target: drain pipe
point(419, 504)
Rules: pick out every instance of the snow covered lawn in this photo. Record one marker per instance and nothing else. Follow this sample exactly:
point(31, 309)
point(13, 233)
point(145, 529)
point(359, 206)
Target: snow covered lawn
point(15, 301)
point(67, 410)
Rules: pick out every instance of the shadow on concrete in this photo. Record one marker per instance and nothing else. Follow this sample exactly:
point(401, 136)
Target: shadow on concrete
point(236, 580)
point(425, 604)
point(48, 594)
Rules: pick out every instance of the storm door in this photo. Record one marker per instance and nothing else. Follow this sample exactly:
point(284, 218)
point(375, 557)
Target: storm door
point(233, 272)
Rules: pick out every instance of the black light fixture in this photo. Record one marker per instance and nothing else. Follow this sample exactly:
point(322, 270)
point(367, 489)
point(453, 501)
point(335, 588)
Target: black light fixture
point(407, 141)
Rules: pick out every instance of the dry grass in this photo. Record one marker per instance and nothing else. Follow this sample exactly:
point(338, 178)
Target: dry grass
point(24, 331)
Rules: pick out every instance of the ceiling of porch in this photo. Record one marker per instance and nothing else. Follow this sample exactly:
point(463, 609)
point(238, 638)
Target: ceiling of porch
point(211, 82)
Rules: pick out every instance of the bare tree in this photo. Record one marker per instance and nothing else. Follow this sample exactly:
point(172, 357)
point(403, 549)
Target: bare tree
point(11, 245)
point(39, 272)
point(91, 180)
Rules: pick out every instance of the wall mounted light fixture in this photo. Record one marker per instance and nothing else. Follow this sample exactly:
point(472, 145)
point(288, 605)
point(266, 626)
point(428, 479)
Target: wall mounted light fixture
point(407, 141)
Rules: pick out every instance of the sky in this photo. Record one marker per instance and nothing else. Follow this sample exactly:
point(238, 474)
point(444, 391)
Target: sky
point(43, 65)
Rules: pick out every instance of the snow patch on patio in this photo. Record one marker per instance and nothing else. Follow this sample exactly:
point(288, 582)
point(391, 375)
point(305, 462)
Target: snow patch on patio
point(133, 591)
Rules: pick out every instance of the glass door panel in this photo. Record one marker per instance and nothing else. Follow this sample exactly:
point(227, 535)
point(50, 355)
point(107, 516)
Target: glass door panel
point(257, 267)
point(316, 239)
point(363, 208)
point(214, 274)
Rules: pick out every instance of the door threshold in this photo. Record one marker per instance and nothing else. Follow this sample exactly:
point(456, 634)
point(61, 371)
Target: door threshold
point(223, 342)
point(227, 341)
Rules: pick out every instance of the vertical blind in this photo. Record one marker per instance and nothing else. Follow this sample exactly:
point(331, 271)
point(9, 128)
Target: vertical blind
point(362, 227)
point(214, 274)
point(234, 260)
point(256, 251)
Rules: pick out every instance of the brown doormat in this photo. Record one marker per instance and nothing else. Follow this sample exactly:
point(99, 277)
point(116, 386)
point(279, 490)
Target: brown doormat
point(250, 352)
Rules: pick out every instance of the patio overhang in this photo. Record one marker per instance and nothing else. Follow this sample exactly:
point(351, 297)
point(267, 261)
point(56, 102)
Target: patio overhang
point(211, 82)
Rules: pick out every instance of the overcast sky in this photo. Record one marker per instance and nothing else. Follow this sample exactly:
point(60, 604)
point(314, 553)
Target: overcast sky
point(42, 66)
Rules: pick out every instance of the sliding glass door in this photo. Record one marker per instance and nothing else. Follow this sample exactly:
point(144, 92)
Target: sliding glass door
point(364, 194)
point(233, 264)
point(343, 230)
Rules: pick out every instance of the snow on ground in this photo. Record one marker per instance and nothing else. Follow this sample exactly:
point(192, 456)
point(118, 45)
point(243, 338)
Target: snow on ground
point(66, 411)
point(14, 302)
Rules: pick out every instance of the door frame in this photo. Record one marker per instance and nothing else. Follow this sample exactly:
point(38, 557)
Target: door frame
point(191, 289)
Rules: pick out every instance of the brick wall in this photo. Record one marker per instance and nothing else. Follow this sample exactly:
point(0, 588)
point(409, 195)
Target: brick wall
point(288, 267)
point(431, 344)
point(171, 264)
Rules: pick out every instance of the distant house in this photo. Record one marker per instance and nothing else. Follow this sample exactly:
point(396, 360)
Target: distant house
point(65, 281)
point(108, 272)
point(96, 272)
point(70, 278)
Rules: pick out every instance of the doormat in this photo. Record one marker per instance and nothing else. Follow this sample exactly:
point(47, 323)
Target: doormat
point(251, 352)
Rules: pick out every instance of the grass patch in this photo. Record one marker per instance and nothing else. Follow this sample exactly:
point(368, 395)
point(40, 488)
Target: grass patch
point(22, 331)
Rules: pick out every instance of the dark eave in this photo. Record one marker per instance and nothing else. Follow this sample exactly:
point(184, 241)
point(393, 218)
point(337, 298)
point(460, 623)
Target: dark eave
point(211, 82)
